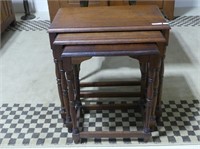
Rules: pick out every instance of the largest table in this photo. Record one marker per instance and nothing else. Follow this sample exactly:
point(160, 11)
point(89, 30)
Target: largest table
point(105, 19)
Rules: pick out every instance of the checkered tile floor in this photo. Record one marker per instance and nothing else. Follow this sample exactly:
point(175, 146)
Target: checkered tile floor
point(28, 124)
point(33, 25)
point(185, 21)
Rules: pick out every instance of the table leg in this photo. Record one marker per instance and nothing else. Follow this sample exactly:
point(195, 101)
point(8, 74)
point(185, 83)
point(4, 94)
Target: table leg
point(155, 96)
point(76, 68)
point(68, 68)
point(148, 105)
point(152, 83)
point(63, 95)
point(58, 79)
point(158, 107)
point(143, 70)
point(162, 49)
point(67, 122)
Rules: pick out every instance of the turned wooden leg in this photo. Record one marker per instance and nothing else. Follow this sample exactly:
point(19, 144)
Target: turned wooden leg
point(70, 84)
point(150, 98)
point(76, 69)
point(68, 122)
point(155, 97)
point(143, 70)
point(158, 107)
point(58, 79)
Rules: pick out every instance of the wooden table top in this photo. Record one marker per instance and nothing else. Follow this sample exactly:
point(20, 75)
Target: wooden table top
point(110, 50)
point(109, 38)
point(112, 18)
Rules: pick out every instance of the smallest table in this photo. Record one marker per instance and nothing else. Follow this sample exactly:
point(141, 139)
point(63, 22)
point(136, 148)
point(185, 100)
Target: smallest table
point(145, 53)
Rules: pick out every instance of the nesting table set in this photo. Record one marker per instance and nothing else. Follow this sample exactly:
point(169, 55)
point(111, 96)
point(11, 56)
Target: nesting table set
point(77, 34)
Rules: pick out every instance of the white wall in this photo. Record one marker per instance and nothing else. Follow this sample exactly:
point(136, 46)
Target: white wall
point(187, 3)
point(18, 5)
point(34, 5)
point(41, 5)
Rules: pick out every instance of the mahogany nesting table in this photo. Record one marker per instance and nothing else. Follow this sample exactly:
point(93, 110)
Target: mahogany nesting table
point(104, 26)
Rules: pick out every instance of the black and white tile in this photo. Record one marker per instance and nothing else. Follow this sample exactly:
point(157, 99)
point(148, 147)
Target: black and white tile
point(185, 21)
point(40, 124)
point(33, 25)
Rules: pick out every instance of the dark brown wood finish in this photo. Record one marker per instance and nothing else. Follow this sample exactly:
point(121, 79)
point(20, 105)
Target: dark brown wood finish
point(63, 93)
point(143, 86)
point(68, 68)
point(109, 94)
point(104, 49)
point(148, 53)
point(92, 19)
point(109, 38)
point(116, 83)
point(150, 20)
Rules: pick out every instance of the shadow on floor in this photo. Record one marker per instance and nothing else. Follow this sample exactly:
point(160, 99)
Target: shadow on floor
point(175, 53)
point(114, 63)
point(174, 88)
point(6, 37)
point(177, 88)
